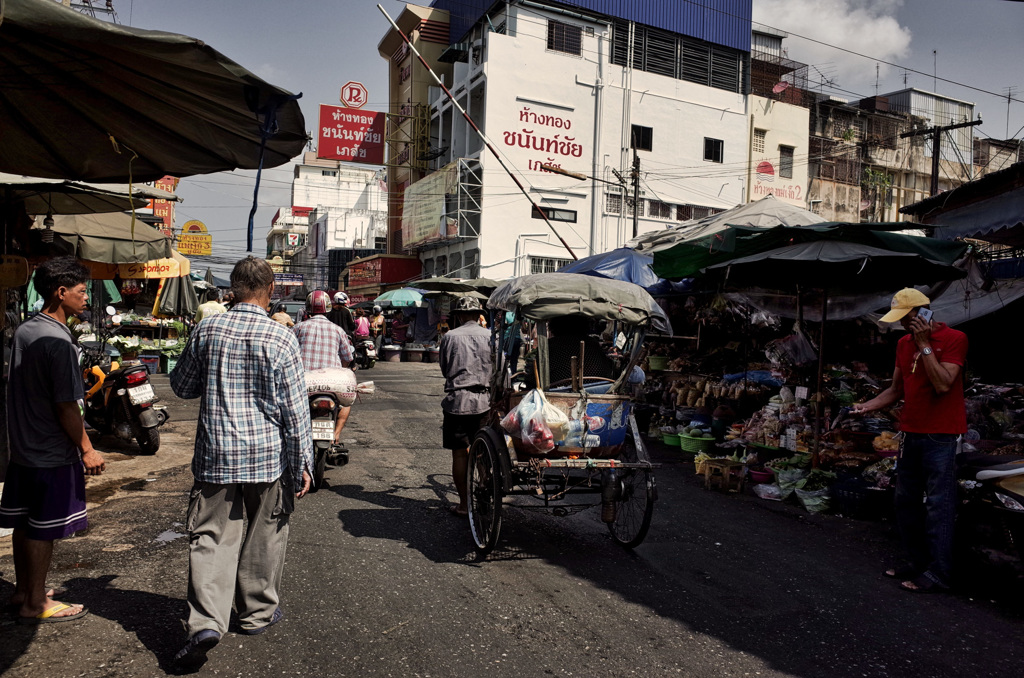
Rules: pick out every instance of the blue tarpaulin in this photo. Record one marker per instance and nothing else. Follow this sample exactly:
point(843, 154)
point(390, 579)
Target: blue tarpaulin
point(623, 264)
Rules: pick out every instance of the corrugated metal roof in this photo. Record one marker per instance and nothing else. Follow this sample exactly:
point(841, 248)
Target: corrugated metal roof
point(721, 22)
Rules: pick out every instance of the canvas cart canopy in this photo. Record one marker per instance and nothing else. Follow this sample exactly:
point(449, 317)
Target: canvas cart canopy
point(550, 295)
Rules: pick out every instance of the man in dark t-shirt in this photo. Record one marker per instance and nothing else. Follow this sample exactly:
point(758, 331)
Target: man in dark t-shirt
point(340, 315)
point(44, 493)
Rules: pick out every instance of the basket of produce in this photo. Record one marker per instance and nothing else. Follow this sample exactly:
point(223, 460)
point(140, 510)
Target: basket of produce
point(886, 444)
point(695, 441)
point(657, 363)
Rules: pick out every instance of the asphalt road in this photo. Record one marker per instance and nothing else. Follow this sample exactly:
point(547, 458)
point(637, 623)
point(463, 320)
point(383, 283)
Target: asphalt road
point(382, 581)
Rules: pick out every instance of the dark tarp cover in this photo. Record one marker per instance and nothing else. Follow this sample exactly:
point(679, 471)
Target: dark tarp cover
point(69, 82)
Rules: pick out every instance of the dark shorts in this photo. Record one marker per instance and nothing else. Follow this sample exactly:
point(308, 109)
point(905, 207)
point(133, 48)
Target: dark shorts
point(458, 430)
point(48, 503)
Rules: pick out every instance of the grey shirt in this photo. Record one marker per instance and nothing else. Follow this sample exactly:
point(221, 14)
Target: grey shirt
point(465, 359)
point(44, 371)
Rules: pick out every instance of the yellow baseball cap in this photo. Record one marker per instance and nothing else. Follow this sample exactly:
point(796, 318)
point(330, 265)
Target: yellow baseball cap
point(903, 302)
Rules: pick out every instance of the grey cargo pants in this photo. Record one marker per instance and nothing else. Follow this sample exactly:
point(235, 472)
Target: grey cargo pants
point(238, 536)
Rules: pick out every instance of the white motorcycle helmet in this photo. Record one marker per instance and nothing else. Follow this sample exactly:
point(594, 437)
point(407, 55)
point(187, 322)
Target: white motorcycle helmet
point(341, 299)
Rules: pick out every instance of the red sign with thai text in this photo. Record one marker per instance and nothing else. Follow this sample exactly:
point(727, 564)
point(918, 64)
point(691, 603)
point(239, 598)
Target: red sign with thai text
point(351, 135)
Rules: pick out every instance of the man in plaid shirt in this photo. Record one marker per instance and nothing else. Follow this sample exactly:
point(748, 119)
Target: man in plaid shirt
point(324, 345)
point(253, 458)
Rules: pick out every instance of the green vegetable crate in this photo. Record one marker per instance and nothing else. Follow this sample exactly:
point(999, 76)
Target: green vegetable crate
point(695, 445)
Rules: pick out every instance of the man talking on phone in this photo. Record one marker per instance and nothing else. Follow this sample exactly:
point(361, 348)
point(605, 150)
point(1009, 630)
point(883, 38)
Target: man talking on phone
point(929, 379)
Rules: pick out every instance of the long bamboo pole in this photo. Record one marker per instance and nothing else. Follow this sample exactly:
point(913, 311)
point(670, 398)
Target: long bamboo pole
point(537, 209)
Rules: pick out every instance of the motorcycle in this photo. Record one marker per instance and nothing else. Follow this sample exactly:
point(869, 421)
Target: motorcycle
point(323, 412)
point(991, 514)
point(365, 354)
point(119, 398)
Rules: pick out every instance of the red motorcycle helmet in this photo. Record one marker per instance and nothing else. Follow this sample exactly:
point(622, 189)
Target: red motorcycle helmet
point(318, 302)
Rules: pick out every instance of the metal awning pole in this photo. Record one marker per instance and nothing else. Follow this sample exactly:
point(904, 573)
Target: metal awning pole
point(536, 208)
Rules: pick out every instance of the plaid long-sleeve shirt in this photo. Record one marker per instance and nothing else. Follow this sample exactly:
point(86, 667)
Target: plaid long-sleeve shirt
point(254, 415)
point(322, 343)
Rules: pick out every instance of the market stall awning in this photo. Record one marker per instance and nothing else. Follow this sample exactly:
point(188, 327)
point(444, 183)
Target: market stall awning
point(768, 212)
point(483, 285)
point(835, 265)
point(688, 259)
point(173, 266)
point(38, 196)
point(95, 101)
point(111, 238)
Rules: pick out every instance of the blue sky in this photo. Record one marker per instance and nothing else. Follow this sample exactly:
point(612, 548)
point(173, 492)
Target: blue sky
point(315, 46)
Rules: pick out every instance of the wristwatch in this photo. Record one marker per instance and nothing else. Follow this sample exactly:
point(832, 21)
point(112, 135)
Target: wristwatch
point(927, 350)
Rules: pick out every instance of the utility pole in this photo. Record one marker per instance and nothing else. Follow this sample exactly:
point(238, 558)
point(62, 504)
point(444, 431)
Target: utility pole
point(636, 192)
point(936, 133)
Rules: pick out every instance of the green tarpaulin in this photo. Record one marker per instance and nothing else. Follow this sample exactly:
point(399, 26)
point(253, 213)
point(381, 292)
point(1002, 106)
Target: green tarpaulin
point(689, 259)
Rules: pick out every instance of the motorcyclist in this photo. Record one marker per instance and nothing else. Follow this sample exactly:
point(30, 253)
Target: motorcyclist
point(340, 315)
point(324, 345)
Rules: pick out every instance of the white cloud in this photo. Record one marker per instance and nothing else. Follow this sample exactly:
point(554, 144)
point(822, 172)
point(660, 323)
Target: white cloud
point(271, 73)
point(865, 26)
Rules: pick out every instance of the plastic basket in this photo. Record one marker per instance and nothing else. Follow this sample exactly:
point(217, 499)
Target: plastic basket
point(670, 439)
point(152, 363)
point(856, 499)
point(657, 362)
point(695, 445)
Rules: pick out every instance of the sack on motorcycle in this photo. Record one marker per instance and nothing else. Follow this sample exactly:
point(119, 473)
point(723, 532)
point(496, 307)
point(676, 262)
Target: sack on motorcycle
point(341, 382)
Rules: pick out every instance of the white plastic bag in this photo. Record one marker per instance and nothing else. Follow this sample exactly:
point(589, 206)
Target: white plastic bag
point(536, 422)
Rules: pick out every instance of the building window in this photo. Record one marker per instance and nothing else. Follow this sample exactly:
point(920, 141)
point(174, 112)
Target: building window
point(713, 149)
point(546, 264)
point(428, 268)
point(786, 162)
point(629, 207)
point(440, 266)
point(553, 214)
point(684, 212)
point(759, 135)
point(455, 266)
point(565, 38)
point(329, 173)
point(613, 203)
point(659, 210)
point(641, 138)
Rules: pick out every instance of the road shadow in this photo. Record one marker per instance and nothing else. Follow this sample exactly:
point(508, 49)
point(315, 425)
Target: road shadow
point(15, 639)
point(803, 593)
point(427, 526)
point(153, 618)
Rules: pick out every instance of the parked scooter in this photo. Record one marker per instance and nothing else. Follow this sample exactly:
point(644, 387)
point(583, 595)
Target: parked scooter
point(323, 411)
point(991, 515)
point(365, 354)
point(119, 398)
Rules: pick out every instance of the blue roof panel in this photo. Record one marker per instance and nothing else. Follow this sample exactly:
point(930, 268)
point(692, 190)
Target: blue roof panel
point(721, 22)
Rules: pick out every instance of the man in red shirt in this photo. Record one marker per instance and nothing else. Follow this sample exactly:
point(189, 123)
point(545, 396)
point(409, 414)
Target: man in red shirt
point(929, 379)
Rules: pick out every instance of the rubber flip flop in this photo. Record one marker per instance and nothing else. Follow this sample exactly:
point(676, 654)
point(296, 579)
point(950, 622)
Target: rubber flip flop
point(51, 594)
point(924, 584)
point(46, 617)
point(276, 617)
point(902, 573)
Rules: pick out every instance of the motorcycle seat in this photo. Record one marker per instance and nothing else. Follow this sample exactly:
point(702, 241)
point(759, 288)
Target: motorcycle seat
point(1002, 470)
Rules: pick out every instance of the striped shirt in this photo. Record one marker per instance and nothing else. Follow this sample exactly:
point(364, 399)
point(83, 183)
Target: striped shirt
point(254, 415)
point(322, 343)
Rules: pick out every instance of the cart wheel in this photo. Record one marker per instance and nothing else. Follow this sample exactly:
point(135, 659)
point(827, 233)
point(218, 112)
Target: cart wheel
point(635, 506)
point(485, 492)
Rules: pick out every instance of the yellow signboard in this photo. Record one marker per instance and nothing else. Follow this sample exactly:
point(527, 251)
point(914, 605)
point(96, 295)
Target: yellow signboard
point(195, 240)
point(13, 270)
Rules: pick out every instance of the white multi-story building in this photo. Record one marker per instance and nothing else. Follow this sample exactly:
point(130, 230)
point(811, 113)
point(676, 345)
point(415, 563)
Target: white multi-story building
point(580, 88)
point(334, 206)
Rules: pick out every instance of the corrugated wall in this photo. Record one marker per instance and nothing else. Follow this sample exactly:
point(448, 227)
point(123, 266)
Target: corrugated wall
point(722, 22)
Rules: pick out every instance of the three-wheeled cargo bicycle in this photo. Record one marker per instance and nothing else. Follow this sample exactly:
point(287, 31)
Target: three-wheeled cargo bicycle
point(595, 449)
